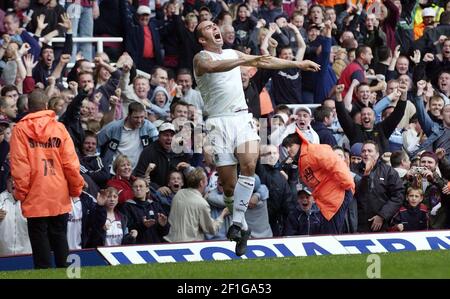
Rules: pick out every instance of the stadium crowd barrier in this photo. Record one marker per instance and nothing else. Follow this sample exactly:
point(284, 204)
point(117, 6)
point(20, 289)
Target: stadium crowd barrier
point(257, 248)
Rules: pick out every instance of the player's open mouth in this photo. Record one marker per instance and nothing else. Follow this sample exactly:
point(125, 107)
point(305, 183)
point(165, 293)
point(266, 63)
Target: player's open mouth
point(217, 36)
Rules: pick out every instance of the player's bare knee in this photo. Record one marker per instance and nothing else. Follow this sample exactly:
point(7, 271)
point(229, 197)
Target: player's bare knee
point(248, 169)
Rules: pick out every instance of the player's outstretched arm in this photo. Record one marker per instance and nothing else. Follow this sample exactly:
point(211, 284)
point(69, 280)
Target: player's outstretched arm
point(203, 63)
point(274, 63)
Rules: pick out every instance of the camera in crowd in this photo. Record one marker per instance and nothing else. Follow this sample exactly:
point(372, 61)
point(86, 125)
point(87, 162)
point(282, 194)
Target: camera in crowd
point(418, 170)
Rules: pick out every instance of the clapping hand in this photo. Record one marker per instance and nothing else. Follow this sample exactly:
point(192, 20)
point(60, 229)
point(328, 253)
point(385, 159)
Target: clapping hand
point(370, 164)
point(101, 198)
point(162, 219)
point(148, 222)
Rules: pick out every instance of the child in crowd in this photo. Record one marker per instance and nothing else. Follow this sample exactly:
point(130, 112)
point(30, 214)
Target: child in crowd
point(165, 195)
point(304, 220)
point(108, 226)
point(145, 216)
point(413, 216)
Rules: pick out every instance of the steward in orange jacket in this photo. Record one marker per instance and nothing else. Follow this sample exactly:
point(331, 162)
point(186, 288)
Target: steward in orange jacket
point(46, 172)
point(327, 175)
point(44, 165)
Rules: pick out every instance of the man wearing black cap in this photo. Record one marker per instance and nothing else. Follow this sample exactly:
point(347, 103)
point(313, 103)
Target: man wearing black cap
point(304, 219)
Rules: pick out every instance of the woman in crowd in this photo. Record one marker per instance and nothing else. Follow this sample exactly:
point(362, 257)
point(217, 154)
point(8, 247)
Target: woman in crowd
point(122, 180)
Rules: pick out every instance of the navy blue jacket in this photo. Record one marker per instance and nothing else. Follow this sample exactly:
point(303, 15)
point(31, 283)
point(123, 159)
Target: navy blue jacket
point(281, 199)
point(412, 218)
point(87, 206)
point(325, 79)
point(136, 210)
point(300, 222)
point(325, 134)
point(94, 167)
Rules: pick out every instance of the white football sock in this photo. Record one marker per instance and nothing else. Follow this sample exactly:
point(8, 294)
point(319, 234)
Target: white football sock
point(242, 194)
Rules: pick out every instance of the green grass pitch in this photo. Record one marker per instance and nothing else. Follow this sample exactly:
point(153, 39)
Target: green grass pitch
point(420, 264)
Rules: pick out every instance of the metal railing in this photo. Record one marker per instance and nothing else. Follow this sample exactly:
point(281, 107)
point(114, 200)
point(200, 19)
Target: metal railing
point(295, 106)
point(98, 40)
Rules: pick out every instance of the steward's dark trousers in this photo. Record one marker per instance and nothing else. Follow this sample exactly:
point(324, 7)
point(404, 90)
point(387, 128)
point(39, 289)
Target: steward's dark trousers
point(336, 224)
point(47, 234)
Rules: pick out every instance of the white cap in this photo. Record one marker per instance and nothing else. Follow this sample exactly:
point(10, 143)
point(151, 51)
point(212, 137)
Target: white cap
point(305, 189)
point(303, 108)
point(428, 12)
point(166, 127)
point(143, 10)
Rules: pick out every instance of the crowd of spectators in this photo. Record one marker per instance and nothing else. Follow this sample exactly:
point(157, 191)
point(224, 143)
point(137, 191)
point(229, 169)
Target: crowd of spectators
point(381, 100)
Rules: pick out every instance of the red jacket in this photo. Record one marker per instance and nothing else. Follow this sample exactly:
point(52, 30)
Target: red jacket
point(347, 73)
point(123, 187)
point(44, 165)
point(326, 174)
